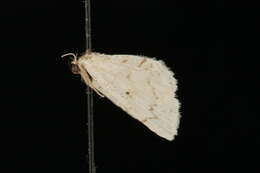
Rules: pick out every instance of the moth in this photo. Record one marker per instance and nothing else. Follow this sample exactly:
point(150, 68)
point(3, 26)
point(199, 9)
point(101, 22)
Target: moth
point(143, 87)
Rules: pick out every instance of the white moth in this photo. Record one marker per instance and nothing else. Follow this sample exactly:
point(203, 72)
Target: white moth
point(143, 87)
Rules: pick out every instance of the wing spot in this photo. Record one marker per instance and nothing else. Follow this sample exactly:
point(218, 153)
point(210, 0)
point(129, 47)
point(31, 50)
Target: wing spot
point(124, 61)
point(149, 118)
point(128, 76)
point(141, 63)
point(152, 107)
point(127, 93)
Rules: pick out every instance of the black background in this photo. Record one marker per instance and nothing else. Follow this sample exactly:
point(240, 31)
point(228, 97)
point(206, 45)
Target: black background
point(208, 45)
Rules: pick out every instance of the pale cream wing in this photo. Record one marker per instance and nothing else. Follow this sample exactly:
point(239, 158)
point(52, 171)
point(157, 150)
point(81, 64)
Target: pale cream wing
point(143, 87)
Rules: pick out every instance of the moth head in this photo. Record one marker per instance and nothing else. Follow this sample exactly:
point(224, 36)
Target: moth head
point(74, 63)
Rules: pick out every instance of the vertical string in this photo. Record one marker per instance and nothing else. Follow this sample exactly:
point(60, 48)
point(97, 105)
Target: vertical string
point(90, 114)
point(88, 25)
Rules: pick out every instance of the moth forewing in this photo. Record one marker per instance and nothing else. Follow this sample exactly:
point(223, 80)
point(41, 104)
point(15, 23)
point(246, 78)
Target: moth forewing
point(143, 87)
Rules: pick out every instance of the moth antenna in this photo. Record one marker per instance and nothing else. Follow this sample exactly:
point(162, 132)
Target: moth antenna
point(71, 54)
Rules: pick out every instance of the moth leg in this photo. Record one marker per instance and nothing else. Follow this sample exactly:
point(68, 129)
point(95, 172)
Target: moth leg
point(87, 80)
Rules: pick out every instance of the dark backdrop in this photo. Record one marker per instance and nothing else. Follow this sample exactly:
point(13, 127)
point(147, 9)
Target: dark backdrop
point(207, 44)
